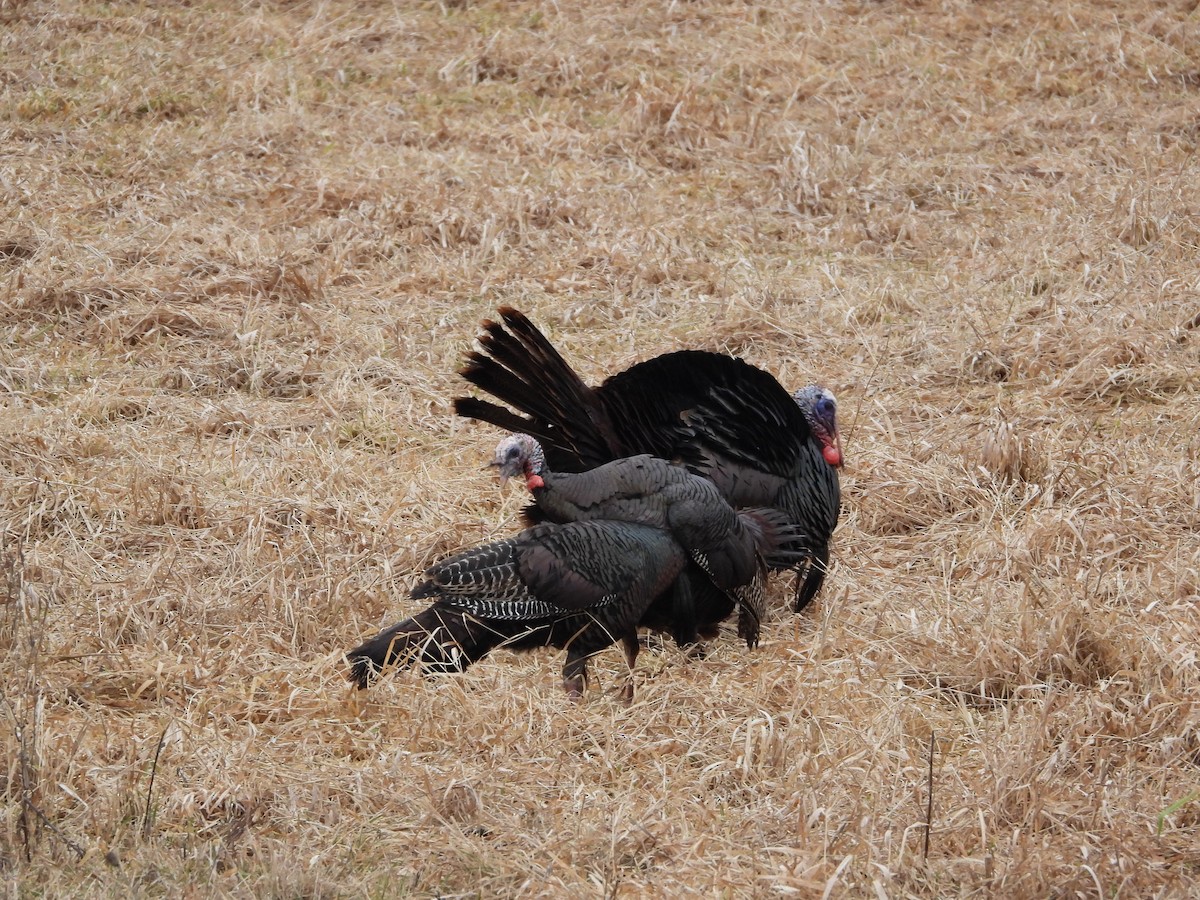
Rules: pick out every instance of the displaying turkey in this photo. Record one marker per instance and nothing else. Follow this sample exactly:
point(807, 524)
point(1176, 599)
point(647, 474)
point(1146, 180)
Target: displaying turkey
point(729, 549)
point(579, 587)
point(723, 418)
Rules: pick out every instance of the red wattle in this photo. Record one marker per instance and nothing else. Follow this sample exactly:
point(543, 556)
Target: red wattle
point(533, 482)
point(832, 455)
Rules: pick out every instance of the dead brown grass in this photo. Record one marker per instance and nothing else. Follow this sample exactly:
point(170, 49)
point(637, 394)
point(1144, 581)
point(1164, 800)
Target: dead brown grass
point(243, 248)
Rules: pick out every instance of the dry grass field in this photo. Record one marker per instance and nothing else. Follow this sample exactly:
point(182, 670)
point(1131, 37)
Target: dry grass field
point(244, 247)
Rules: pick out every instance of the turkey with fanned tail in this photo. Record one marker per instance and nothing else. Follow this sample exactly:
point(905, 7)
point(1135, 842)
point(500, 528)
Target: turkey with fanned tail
point(723, 418)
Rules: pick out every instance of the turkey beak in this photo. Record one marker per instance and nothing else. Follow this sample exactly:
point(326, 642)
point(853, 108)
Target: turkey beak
point(500, 473)
point(505, 470)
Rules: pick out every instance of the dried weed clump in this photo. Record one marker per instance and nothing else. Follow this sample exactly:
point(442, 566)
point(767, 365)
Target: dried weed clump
point(1011, 456)
point(243, 250)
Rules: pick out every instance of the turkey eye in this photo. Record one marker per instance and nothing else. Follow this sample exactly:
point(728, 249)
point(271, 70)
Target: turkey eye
point(514, 452)
point(825, 406)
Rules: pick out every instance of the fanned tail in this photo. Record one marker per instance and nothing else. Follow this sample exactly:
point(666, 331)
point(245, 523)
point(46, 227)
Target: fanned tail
point(529, 354)
point(521, 368)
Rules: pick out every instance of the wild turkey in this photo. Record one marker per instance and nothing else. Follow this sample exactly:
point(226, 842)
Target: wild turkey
point(580, 587)
point(730, 548)
point(723, 418)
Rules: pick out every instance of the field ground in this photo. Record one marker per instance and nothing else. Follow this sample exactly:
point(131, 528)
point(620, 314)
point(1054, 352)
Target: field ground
point(243, 249)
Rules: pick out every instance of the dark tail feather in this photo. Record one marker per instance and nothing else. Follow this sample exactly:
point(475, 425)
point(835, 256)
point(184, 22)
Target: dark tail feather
point(524, 370)
point(516, 388)
point(533, 348)
point(521, 368)
point(444, 640)
point(576, 409)
point(493, 414)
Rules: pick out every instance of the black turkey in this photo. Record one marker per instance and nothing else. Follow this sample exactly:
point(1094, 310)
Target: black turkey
point(731, 549)
point(723, 418)
point(579, 587)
